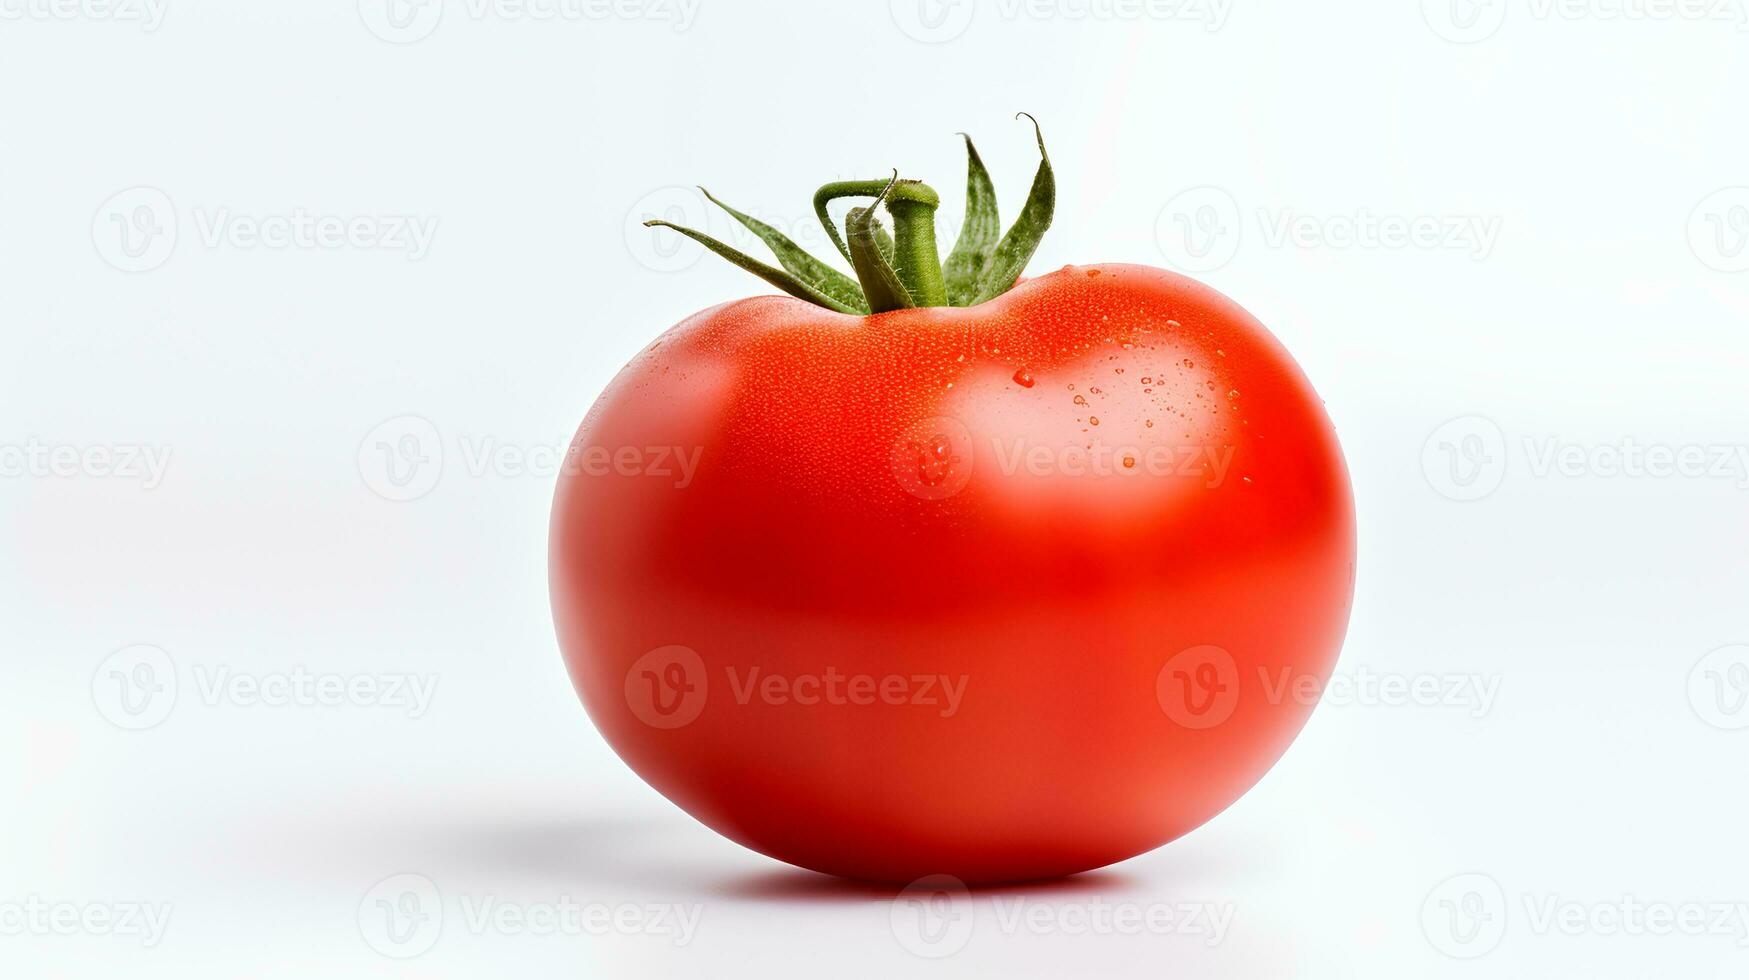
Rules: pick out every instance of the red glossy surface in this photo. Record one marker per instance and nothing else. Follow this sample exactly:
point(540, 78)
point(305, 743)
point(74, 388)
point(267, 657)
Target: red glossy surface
point(920, 494)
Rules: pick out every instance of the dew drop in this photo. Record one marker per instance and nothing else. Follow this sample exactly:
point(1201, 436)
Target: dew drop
point(1080, 400)
point(1093, 419)
point(1023, 378)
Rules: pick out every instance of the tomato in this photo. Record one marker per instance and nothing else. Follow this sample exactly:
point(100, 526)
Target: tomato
point(1001, 591)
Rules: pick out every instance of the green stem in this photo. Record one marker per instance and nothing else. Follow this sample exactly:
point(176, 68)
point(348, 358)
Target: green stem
point(915, 258)
point(880, 283)
point(912, 205)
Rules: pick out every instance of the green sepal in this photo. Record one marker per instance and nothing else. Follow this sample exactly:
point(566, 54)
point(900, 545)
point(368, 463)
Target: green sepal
point(978, 235)
point(1017, 246)
point(771, 274)
point(799, 263)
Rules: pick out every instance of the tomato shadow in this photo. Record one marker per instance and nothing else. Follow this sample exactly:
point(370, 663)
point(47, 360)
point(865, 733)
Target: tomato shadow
point(799, 886)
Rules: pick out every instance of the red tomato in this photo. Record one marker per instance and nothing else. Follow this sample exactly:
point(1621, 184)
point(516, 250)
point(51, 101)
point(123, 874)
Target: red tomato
point(1001, 592)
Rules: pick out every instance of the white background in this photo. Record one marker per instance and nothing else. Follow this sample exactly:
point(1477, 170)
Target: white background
point(1603, 315)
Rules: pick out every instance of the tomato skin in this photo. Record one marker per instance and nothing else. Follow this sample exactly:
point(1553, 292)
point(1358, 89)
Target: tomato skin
point(898, 496)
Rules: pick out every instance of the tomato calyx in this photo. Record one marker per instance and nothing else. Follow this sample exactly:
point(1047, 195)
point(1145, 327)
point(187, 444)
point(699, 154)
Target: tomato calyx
point(901, 270)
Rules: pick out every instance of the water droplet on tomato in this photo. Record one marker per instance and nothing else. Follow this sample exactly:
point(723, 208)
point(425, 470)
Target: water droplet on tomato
point(1023, 379)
